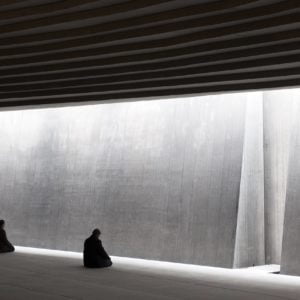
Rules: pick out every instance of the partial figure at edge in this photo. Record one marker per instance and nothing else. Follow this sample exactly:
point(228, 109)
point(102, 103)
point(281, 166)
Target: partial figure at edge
point(94, 255)
point(5, 245)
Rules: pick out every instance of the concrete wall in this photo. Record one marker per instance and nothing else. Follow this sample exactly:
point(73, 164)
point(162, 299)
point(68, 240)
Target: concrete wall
point(279, 107)
point(264, 181)
point(290, 263)
point(199, 180)
point(250, 239)
point(160, 178)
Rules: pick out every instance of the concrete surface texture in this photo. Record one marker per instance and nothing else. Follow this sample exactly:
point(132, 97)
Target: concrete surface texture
point(48, 275)
point(279, 109)
point(291, 242)
point(198, 180)
point(250, 238)
point(160, 178)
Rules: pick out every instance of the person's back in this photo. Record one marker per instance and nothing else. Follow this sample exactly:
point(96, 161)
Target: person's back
point(5, 245)
point(94, 255)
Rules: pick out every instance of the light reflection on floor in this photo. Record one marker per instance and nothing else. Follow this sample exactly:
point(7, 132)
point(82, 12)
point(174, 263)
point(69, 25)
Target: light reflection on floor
point(36, 274)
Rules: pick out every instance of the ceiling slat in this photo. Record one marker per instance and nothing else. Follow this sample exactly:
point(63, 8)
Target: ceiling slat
point(63, 52)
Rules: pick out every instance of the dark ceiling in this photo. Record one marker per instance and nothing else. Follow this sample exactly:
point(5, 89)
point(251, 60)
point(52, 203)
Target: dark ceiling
point(83, 50)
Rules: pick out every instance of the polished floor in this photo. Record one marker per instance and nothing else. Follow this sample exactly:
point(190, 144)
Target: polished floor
point(33, 274)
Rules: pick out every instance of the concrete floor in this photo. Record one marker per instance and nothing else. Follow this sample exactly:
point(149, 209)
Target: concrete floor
point(45, 274)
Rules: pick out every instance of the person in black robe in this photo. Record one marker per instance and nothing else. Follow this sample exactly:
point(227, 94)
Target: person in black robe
point(5, 245)
point(94, 255)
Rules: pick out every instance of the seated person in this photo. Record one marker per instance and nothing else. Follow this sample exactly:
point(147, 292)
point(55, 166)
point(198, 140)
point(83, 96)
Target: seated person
point(94, 255)
point(5, 245)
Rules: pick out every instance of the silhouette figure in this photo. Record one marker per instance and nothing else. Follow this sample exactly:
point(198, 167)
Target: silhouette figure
point(5, 245)
point(94, 255)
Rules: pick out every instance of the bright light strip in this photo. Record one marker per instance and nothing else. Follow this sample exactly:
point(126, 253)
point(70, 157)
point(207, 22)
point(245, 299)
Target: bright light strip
point(250, 276)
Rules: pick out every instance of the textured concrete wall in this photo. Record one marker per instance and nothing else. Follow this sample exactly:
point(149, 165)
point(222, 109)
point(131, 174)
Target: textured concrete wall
point(160, 178)
point(290, 263)
point(199, 180)
point(250, 239)
point(279, 107)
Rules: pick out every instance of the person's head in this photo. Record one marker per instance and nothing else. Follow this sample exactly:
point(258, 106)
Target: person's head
point(96, 233)
point(2, 223)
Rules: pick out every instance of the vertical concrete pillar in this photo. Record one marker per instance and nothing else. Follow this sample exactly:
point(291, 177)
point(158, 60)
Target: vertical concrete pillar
point(290, 262)
point(278, 109)
point(249, 247)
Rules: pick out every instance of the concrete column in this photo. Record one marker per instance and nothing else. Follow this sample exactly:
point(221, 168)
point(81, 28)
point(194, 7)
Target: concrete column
point(278, 111)
point(290, 263)
point(249, 247)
